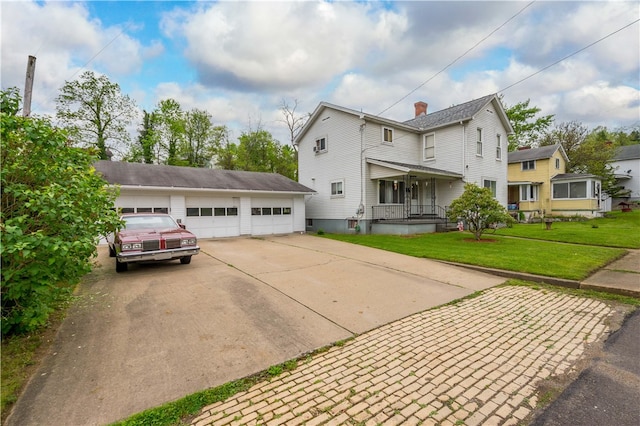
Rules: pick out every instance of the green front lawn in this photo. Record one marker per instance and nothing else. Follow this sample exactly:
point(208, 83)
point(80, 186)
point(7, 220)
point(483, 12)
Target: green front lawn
point(546, 258)
point(616, 230)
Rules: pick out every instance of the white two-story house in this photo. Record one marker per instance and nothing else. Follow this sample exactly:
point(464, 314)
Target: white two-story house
point(375, 175)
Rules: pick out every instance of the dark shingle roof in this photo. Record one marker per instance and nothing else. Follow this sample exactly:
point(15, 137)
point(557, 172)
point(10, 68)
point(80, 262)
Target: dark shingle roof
point(628, 152)
point(564, 176)
point(152, 175)
point(454, 114)
point(533, 154)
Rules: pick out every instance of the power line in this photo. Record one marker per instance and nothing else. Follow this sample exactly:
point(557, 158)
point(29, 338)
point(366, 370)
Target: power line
point(568, 56)
point(457, 59)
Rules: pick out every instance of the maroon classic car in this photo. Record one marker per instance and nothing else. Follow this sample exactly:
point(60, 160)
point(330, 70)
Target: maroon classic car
point(150, 237)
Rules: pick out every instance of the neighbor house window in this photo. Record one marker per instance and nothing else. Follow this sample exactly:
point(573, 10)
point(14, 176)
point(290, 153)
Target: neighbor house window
point(557, 164)
point(429, 147)
point(479, 142)
point(570, 190)
point(491, 184)
point(387, 135)
point(498, 147)
point(529, 165)
point(528, 192)
point(337, 188)
point(321, 144)
point(391, 192)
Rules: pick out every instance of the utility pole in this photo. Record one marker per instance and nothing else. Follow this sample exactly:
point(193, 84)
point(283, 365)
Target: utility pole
point(28, 86)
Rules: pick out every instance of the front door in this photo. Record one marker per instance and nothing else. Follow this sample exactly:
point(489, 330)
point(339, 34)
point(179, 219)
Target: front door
point(415, 198)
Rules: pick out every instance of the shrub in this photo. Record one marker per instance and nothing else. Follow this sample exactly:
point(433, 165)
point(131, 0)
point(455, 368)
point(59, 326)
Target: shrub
point(54, 209)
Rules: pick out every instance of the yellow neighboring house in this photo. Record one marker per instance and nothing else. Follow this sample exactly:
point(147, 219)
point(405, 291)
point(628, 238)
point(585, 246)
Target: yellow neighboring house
point(539, 185)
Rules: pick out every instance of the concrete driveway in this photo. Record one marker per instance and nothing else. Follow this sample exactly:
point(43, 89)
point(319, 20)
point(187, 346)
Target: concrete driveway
point(161, 331)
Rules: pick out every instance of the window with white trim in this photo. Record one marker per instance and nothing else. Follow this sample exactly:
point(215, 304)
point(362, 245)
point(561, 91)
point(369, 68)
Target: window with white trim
point(479, 141)
point(321, 145)
point(529, 165)
point(491, 184)
point(498, 147)
point(337, 188)
point(570, 190)
point(387, 135)
point(528, 192)
point(429, 147)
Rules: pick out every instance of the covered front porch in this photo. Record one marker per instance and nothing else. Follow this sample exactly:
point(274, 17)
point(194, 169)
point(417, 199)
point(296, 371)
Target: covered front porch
point(408, 197)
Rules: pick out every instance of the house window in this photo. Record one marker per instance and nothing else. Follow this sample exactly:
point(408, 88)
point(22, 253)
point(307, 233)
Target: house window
point(277, 210)
point(266, 211)
point(127, 210)
point(529, 165)
point(144, 210)
point(391, 192)
point(321, 144)
point(387, 135)
point(528, 192)
point(557, 164)
point(570, 190)
point(352, 223)
point(479, 142)
point(256, 211)
point(220, 211)
point(491, 184)
point(193, 211)
point(498, 147)
point(286, 210)
point(429, 147)
point(206, 211)
point(164, 210)
point(337, 188)
point(232, 211)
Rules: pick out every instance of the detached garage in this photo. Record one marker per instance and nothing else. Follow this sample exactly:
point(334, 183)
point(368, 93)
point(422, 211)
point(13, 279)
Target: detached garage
point(211, 203)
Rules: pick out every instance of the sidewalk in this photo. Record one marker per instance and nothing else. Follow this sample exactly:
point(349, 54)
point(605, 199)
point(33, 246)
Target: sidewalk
point(474, 362)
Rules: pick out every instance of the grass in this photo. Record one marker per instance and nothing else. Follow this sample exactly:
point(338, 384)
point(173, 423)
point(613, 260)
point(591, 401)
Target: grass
point(551, 259)
point(617, 229)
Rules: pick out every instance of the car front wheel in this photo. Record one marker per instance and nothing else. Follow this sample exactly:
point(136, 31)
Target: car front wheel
point(121, 266)
point(185, 260)
point(112, 251)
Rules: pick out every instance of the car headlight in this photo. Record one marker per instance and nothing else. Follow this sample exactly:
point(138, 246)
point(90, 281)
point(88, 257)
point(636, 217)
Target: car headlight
point(132, 246)
point(188, 242)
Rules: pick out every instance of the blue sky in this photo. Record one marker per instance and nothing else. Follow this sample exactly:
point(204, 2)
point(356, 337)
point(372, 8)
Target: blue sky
point(239, 60)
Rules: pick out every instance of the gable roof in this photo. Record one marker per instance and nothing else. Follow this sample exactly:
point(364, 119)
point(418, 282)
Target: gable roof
point(422, 123)
point(542, 153)
point(155, 175)
point(629, 152)
point(408, 168)
point(454, 114)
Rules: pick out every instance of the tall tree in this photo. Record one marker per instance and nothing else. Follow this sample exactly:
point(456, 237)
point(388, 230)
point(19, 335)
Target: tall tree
point(201, 138)
point(145, 148)
point(257, 151)
point(295, 122)
point(527, 128)
point(171, 131)
point(571, 135)
point(96, 113)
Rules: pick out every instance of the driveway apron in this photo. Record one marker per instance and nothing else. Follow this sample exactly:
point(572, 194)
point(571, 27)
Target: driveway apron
point(161, 331)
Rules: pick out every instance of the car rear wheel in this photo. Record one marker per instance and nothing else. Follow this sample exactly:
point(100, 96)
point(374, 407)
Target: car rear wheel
point(185, 260)
point(121, 266)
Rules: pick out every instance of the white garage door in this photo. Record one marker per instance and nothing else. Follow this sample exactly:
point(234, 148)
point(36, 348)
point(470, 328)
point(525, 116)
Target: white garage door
point(143, 203)
point(271, 216)
point(213, 217)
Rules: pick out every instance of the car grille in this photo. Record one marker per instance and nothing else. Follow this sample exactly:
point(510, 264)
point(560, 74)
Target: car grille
point(148, 245)
point(173, 243)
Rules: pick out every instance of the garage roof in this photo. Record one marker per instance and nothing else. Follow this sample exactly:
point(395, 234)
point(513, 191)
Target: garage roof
point(155, 175)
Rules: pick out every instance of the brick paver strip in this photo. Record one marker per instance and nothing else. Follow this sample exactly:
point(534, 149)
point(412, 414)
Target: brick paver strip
point(477, 361)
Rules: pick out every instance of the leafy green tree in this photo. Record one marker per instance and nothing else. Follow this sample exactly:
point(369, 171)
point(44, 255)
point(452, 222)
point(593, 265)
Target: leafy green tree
point(202, 139)
point(171, 131)
point(527, 128)
point(257, 151)
point(54, 209)
point(571, 135)
point(478, 209)
point(96, 113)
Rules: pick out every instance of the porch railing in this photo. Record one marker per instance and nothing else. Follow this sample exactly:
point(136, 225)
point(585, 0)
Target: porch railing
point(401, 212)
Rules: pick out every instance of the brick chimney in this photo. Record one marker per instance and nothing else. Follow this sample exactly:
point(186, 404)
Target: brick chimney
point(421, 108)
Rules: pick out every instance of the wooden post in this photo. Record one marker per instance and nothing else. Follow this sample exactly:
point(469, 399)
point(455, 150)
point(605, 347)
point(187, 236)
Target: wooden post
point(28, 86)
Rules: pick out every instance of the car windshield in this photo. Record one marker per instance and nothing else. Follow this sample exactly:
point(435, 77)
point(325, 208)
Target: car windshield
point(154, 222)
